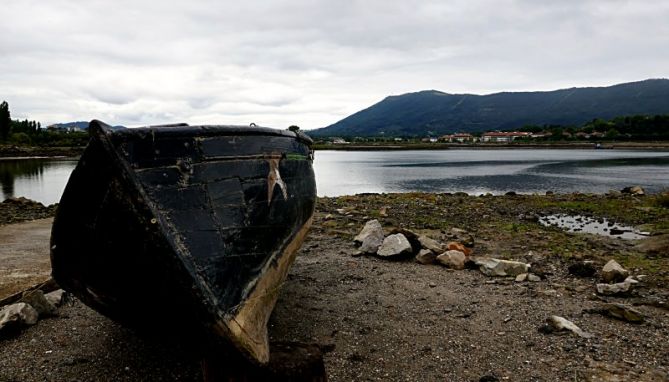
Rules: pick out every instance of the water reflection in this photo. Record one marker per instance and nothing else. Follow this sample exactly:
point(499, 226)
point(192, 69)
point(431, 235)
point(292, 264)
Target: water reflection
point(10, 169)
point(38, 179)
point(599, 226)
point(470, 171)
point(494, 171)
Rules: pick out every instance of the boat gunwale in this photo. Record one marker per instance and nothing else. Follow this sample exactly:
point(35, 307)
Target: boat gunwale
point(179, 130)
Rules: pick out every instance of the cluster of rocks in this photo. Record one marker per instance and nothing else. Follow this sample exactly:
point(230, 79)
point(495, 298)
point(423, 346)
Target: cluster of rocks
point(455, 254)
point(616, 280)
point(458, 254)
point(33, 305)
point(404, 243)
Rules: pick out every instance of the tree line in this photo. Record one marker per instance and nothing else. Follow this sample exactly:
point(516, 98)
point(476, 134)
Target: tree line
point(26, 132)
point(634, 127)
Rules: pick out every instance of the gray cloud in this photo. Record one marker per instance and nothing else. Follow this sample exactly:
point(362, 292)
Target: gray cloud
point(305, 62)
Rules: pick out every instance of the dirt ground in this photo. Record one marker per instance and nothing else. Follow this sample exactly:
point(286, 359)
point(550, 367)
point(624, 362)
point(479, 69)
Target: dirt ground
point(403, 321)
point(24, 255)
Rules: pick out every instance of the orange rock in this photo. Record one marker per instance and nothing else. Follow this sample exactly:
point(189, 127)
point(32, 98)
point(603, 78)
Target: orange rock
point(455, 246)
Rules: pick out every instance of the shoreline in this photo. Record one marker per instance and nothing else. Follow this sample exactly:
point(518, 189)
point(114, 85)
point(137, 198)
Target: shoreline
point(655, 146)
point(29, 152)
point(19, 153)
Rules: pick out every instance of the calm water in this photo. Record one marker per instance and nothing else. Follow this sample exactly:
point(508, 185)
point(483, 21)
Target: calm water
point(37, 179)
point(471, 171)
point(494, 171)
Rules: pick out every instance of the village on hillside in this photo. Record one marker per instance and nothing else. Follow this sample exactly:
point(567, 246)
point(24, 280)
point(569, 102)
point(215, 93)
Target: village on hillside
point(487, 137)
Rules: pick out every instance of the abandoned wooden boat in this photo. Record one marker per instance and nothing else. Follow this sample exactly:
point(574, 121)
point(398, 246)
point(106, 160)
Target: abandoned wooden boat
point(186, 227)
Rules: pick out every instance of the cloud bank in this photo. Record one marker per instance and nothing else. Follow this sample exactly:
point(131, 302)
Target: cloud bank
point(310, 63)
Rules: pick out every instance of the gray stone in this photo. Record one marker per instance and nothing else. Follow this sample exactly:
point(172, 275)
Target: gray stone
point(371, 227)
point(425, 256)
point(497, 267)
point(560, 323)
point(372, 242)
point(394, 246)
point(623, 312)
point(431, 244)
point(36, 299)
point(57, 297)
point(615, 289)
point(453, 259)
point(521, 278)
point(614, 272)
point(533, 278)
point(17, 314)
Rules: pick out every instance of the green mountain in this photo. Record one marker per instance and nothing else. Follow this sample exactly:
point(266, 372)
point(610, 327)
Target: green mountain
point(432, 112)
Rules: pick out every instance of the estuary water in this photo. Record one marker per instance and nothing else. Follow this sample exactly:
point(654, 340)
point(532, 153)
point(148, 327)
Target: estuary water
point(493, 171)
point(471, 171)
point(42, 180)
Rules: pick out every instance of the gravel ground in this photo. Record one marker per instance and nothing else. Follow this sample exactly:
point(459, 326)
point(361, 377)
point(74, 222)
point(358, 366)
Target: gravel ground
point(398, 320)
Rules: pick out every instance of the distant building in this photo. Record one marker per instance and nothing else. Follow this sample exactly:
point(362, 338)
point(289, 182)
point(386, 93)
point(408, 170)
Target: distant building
point(583, 135)
point(339, 141)
point(504, 136)
point(542, 134)
point(458, 137)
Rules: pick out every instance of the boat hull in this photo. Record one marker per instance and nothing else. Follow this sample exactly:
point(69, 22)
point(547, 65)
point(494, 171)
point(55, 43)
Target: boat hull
point(185, 227)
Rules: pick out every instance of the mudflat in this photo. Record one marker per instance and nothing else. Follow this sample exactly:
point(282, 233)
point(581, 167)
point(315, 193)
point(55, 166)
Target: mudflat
point(398, 320)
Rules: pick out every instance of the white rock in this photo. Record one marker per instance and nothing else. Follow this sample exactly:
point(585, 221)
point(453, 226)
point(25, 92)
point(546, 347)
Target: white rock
point(394, 246)
point(497, 267)
point(615, 289)
point(371, 227)
point(521, 278)
point(453, 259)
point(560, 323)
point(19, 313)
point(632, 279)
point(614, 272)
point(56, 297)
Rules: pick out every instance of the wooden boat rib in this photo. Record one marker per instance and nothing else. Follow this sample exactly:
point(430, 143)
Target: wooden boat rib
point(186, 228)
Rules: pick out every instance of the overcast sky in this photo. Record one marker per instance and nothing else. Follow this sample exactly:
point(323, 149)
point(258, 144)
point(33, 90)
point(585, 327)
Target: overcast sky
point(309, 63)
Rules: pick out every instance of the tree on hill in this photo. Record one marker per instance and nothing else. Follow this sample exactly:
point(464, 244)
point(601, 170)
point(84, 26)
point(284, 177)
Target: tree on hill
point(5, 120)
